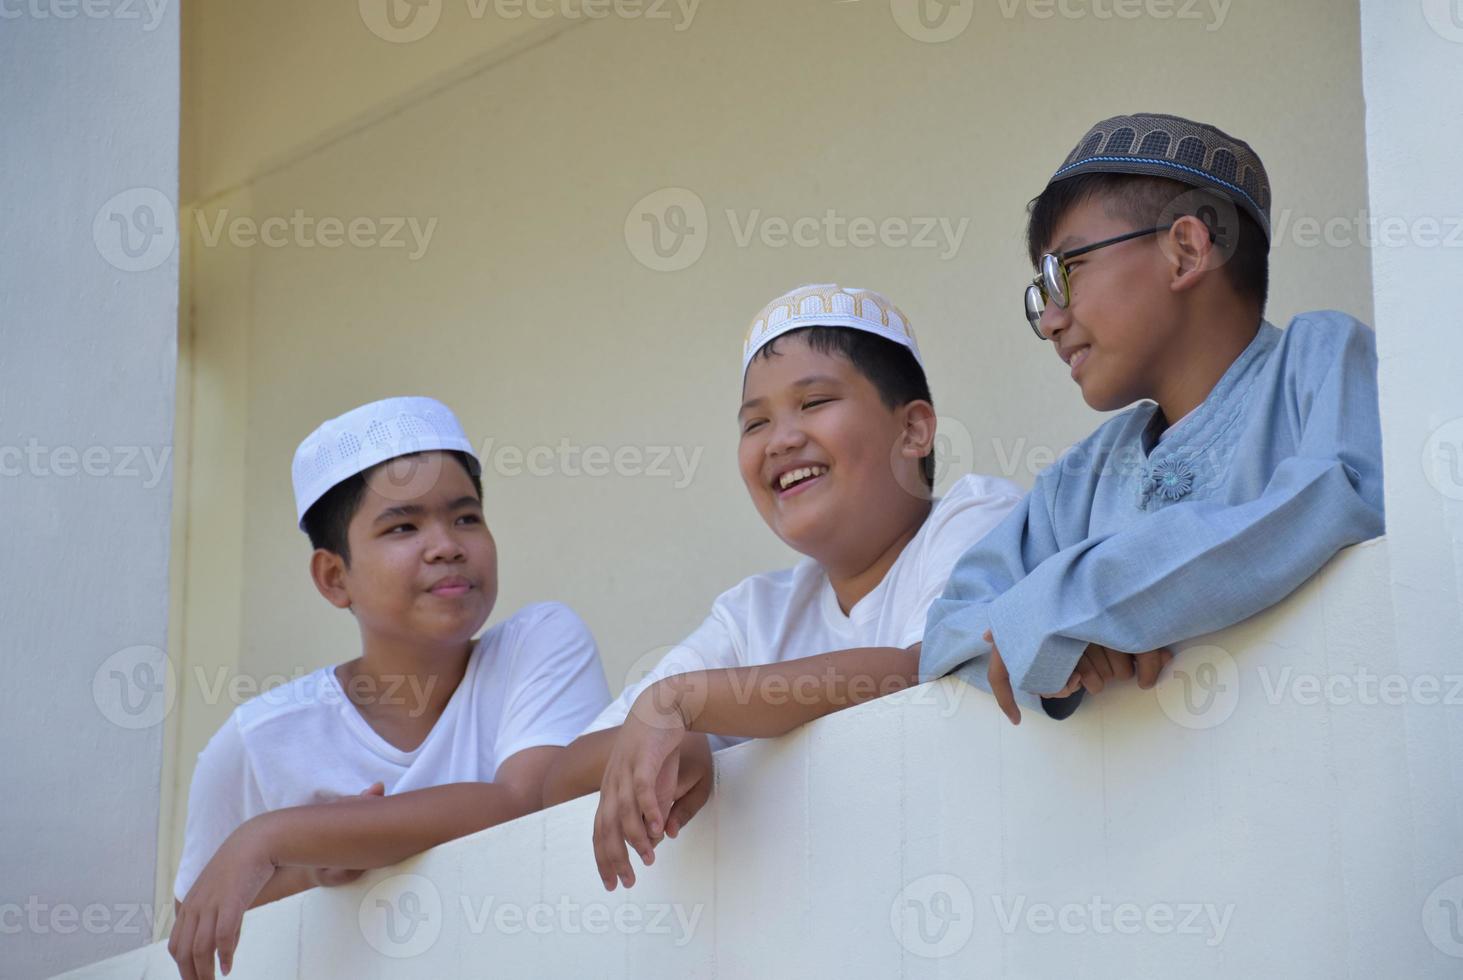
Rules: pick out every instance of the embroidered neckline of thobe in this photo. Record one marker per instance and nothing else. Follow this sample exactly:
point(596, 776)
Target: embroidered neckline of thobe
point(1171, 472)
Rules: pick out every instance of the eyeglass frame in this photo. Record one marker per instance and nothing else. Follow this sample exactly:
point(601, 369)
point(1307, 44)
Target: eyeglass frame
point(1058, 260)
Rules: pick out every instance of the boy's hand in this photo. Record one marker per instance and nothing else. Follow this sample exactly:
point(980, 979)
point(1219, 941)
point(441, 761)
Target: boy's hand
point(1000, 681)
point(212, 913)
point(639, 784)
point(329, 877)
point(1095, 668)
point(693, 786)
point(1099, 664)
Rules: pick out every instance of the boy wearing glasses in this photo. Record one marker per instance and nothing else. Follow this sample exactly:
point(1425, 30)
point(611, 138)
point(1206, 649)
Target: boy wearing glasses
point(1253, 456)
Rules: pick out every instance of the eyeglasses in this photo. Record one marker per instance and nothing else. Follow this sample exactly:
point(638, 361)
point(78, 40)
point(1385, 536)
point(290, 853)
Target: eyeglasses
point(1054, 283)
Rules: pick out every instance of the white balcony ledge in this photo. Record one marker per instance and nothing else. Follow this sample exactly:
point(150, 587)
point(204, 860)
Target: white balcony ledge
point(1258, 829)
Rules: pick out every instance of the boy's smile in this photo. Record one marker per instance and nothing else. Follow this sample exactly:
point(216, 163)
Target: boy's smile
point(796, 477)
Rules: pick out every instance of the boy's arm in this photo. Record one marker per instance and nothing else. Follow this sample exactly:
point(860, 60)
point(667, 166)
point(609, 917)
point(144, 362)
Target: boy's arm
point(348, 833)
point(756, 702)
point(357, 833)
point(772, 699)
point(580, 767)
point(282, 884)
point(959, 618)
point(1196, 567)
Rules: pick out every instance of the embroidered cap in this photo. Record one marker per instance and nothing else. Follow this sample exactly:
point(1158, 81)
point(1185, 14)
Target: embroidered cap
point(1180, 149)
point(372, 434)
point(829, 305)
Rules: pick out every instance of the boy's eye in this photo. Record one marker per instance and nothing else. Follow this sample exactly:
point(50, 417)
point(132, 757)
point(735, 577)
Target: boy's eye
point(815, 402)
point(470, 518)
point(754, 424)
point(401, 527)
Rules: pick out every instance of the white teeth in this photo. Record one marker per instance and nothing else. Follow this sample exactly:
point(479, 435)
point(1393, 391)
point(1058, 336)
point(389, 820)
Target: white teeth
point(794, 476)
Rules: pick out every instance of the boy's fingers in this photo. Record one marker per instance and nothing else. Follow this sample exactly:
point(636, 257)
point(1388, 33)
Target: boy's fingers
point(173, 935)
point(632, 827)
point(180, 944)
point(185, 948)
point(1000, 682)
point(1100, 663)
point(1074, 683)
point(1006, 699)
point(1091, 679)
point(1121, 663)
point(647, 795)
point(230, 922)
point(663, 793)
point(688, 806)
point(609, 850)
point(203, 946)
point(1149, 664)
point(375, 789)
point(601, 859)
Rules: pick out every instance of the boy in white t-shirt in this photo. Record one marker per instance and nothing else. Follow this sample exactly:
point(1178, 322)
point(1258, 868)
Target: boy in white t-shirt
point(837, 430)
point(447, 735)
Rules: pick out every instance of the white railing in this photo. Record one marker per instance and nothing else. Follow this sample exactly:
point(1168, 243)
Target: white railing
point(1250, 818)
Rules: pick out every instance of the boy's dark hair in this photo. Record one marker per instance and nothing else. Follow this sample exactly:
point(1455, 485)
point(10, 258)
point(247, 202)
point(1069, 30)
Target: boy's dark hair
point(890, 367)
point(1143, 200)
point(328, 519)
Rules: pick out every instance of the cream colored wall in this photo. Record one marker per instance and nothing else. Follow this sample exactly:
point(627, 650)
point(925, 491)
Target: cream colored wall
point(529, 144)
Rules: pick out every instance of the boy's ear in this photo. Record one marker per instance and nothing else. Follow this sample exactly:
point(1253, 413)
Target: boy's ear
point(328, 570)
point(919, 429)
point(1189, 247)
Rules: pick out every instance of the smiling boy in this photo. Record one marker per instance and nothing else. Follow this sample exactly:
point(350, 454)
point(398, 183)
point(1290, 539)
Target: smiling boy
point(446, 734)
point(1253, 456)
point(836, 434)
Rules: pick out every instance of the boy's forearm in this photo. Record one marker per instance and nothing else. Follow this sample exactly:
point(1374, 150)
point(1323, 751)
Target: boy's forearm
point(285, 882)
point(580, 767)
point(375, 833)
point(773, 699)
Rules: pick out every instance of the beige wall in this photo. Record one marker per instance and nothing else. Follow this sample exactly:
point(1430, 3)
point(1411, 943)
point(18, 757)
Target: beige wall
point(529, 144)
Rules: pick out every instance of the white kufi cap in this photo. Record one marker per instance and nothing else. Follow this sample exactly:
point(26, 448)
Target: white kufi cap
point(372, 434)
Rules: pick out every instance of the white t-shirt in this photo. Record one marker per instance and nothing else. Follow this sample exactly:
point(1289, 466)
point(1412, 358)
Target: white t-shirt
point(794, 613)
point(534, 679)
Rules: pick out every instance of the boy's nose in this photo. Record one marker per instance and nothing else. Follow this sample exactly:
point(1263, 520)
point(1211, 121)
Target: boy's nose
point(444, 546)
point(1054, 319)
point(786, 436)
